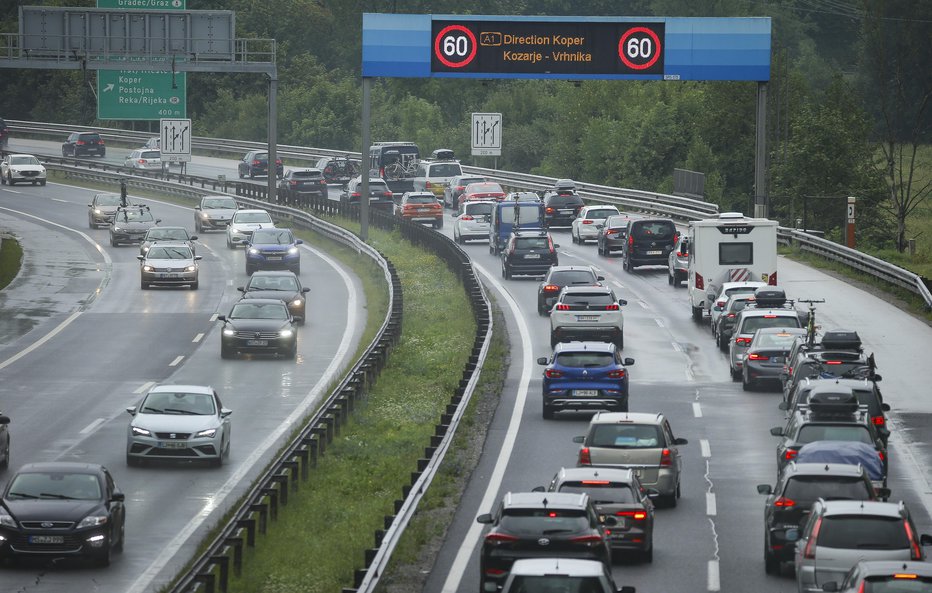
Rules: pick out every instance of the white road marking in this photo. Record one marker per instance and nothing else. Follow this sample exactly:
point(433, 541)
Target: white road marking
point(644, 305)
point(658, 321)
point(710, 504)
point(677, 347)
point(704, 448)
point(697, 410)
point(175, 362)
point(229, 283)
point(714, 582)
point(214, 317)
point(493, 484)
point(198, 338)
point(60, 200)
point(40, 341)
point(90, 427)
point(618, 284)
point(689, 374)
point(145, 387)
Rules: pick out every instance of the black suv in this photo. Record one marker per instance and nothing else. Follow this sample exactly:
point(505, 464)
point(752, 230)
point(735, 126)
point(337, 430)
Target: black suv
point(530, 253)
point(827, 364)
point(303, 181)
point(562, 204)
point(559, 276)
point(536, 524)
point(800, 485)
point(650, 241)
point(256, 162)
point(83, 143)
point(866, 390)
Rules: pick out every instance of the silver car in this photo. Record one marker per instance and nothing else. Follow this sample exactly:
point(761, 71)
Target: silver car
point(214, 212)
point(244, 223)
point(840, 533)
point(473, 222)
point(167, 233)
point(144, 159)
point(185, 422)
point(879, 576)
point(169, 264)
point(678, 262)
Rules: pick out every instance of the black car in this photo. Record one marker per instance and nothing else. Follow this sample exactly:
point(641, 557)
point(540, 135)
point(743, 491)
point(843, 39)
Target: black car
point(559, 276)
point(258, 325)
point(612, 234)
point(379, 195)
point(725, 323)
point(338, 170)
point(798, 486)
point(83, 144)
point(130, 224)
point(4, 442)
point(62, 509)
point(529, 253)
point(214, 213)
point(561, 207)
point(650, 241)
point(256, 162)
point(538, 524)
point(866, 390)
point(304, 181)
point(282, 285)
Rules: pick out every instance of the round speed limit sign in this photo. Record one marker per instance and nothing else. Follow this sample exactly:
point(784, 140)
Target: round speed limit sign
point(455, 46)
point(639, 48)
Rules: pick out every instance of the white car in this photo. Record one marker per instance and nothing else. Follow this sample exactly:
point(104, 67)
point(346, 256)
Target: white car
point(586, 225)
point(179, 422)
point(244, 223)
point(587, 313)
point(561, 574)
point(474, 221)
point(144, 159)
point(728, 289)
point(25, 168)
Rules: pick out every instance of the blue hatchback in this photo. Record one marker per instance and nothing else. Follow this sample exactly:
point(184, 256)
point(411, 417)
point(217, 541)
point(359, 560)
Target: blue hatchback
point(273, 249)
point(585, 376)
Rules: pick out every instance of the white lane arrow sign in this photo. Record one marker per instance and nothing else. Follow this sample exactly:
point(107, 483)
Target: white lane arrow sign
point(109, 87)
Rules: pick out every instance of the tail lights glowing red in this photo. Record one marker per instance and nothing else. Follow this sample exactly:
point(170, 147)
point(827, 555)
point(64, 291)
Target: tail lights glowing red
point(756, 356)
point(666, 458)
point(500, 538)
point(616, 374)
point(915, 553)
point(743, 341)
point(551, 288)
point(700, 282)
point(877, 420)
point(553, 374)
point(636, 515)
point(612, 231)
point(790, 454)
point(596, 482)
point(784, 502)
point(563, 307)
point(467, 217)
point(584, 457)
point(612, 307)
point(587, 539)
point(588, 222)
point(631, 241)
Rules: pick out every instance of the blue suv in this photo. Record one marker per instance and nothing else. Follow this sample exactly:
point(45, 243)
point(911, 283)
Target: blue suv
point(585, 376)
point(273, 249)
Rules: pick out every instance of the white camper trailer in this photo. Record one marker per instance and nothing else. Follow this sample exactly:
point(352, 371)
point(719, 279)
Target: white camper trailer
point(729, 248)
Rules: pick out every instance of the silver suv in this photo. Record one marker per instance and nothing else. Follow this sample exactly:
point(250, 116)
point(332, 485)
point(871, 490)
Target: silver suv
point(588, 313)
point(839, 533)
point(748, 321)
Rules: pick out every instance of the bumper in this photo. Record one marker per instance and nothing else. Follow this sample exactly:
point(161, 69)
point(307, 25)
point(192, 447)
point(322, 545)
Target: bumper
point(239, 237)
point(169, 278)
point(423, 217)
point(267, 346)
point(102, 218)
point(560, 220)
point(588, 231)
point(760, 373)
point(630, 539)
point(598, 334)
point(214, 223)
point(142, 447)
point(642, 259)
point(273, 262)
point(124, 237)
point(27, 176)
point(88, 543)
point(613, 244)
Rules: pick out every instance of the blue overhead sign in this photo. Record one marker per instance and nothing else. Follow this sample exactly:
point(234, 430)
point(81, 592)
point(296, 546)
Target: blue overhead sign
point(633, 48)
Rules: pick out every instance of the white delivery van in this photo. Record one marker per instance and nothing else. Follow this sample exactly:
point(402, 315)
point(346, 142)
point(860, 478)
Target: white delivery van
point(729, 248)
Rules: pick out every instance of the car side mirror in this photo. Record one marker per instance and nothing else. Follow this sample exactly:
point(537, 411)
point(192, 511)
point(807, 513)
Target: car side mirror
point(117, 496)
point(224, 412)
point(538, 489)
point(579, 439)
point(783, 406)
point(198, 257)
point(485, 518)
point(542, 360)
point(241, 288)
point(600, 278)
point(622, 302)
point(776, 431)
point(305, 290)
point(628, 362)
point(90, 205)
point(556, 246)
point(140, 257)
point(830, 587)
point(599, 226)
point(925, 539)
point(221, 317)
point(197, 207)
point(877, 378)
point(765, 489)
point(131, 410)
point(680, 442)
point(883, 493)
point(885, 407)
point(298, 242)
point(4, 419)
point(627, 589)
point(792, 535)
point(192, 238)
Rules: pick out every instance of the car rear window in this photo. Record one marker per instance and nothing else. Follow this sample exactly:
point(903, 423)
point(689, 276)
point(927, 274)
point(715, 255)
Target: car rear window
point(526, 213)
point(273, 283)
point(464, 181)
point(533, 521)
point(444, 170)
point(531, 243)
point(484, 188)
point(813, 488)
point(570, 277)
point(422, 200)
point(752, 324)
point(559, 583)
point(305, 174)
point(588, 298)
point(904, 582)
point(616, 222)
point(561, 201)
point(474, 209)
point(376, 186)
point(811, 433)
point(585, 360)
point(626, 436)
point(780, 341)
point(601, 493)
point(252, 217)
point(600, 214)
point(151, 154)
point(857, 532)
point(661, 229)
point(91, 137)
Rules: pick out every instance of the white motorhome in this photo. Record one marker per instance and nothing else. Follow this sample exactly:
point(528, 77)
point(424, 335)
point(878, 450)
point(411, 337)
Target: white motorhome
point(729, 248)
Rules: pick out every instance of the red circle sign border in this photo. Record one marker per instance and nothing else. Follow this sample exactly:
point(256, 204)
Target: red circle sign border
point(621, 54)
point(464, 62)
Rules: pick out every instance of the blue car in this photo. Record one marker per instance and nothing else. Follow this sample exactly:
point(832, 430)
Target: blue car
point(273, 249)
point(585, 376)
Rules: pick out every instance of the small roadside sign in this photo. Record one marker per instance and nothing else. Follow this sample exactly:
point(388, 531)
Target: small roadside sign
point(486, 134)
point(175, 140)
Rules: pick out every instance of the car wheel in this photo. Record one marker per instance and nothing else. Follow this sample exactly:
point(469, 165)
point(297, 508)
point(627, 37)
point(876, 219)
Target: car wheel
point(302, 321)
point(722, 342)
point(42, 183)
point(118, 547)
point(252, 174)
point(771, 563)
point(218, 461)
point(292, 352)
point(194, 285)
point(225, 351)
point(506, 271)
point(9, 179)
point(745, 384)
point(670, 500)
point(104, 558)
point(669, 278)
point(438, 224)
point(624, 265)
point(143, 285)
point(735, 374)
point(553, 340)
point(547, 412)
point(113, 242)
point(197, 226)
point(230, 244)
point(697, 313)
point(239, 172)
point(132, 461)
point(90, 223)
point(6, 456)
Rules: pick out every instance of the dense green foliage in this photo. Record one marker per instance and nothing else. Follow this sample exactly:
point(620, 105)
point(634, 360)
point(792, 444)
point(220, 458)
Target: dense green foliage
point(836, 120)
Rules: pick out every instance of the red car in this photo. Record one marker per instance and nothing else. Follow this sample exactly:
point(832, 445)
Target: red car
point(485, 190)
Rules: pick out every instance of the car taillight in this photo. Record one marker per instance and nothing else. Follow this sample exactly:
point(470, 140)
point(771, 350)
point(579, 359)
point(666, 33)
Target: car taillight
point(550, 243)
point(355, 194)
point(784, 502)
point(637, 515)
point(553, 374)
point(584, 457)
point(500, 538)
point(382, 172)
point(587, 222)
point(142, 161)
point(915, 552)
point(612, 232)
point(877, 420)
point(680, 254)
point(549, 210)
point(742, 341)
point(882, 456)
point(293, 182)
point(587, 539)
point(616, 374)
point(428, 185)
point(460, 187)
point(700, 281)
point(666, 458)
point(467, 217)
point(612, 307)
point(551, 288)
point(772, 280)
point(832, 362)
point(811, 544)
point(80, 142)
point(101, 141)
point(631, 240)
point(719, 303)
point(563, 307)
point(495, 572)
point(790, 454)
point(731, 316)
point(756, 356)
point(257, 162)
point(770, 316)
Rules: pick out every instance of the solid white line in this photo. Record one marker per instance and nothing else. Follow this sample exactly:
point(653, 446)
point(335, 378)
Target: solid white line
point(697, 410)
point(659, 322)
point(704, 448)
point(710, 504)
point(714, 581)
point(334, 369)
point(468, 546)
point(175, 362)
point(93, 425)
point(40, 341)
point(198, 338)
point(145, 387)
point(677, 347)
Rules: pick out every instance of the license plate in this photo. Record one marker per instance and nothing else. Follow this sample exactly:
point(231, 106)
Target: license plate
point(46, 539)
point(776, 359)
point(274, 258)
point(586, 392)
point(587, 318)
point(257, 342)
point(655, 253)
point(566, 211)
point(172, 444)
point(621, 524)
point(532, 256)
point(168, 275)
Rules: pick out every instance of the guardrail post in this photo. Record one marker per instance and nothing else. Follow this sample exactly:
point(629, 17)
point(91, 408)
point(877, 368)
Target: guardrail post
point(236, 544)
point(223, 564)
point(250, 526)
point(282, 480)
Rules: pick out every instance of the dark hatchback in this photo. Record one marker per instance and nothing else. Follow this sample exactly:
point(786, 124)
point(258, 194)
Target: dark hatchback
point(561, 208)
point(62, 509)
point(256, 162)
point(612, 234)
point(559, 276)
point(285, 286)
point(529, 253)
point(82, 144)
point(304, 181)
point(649, 242)
point(258, 326)
point(130, 225)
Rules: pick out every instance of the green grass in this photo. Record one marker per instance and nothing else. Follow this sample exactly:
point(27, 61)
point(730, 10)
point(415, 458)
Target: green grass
point(11, 258)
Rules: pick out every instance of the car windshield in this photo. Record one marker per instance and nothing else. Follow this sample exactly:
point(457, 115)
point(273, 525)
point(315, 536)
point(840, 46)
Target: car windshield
point(859, 532)
point(570, 277)
point(260, 156)
point(259, 311)
point(626, 436)
point(584, 360)
point(525, 522)
point(164, 234)
point(474, 209)
point(172, 252)
point(813, 488)
point(527, 213)
point(135, 215)
point(422, 200)
point(219, 203)
point(588, 298)
point(653, 230)
point(754, 323)
point(190, 404)
point(600, 214)
point(376, 186)
point(272, 237)
point(601, 492)
point(484, 188)
point(107, 199)
point(273, 283)
point(24, 160)
point(252, 217)
point(531, 243)
point(556, 583)
point(151, 154)
point(834, 432)
point(445, 170)
point(778, 341)
point(54, 485)
point(898, 584)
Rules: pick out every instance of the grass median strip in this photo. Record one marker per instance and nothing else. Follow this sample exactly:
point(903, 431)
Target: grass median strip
point(11, 258)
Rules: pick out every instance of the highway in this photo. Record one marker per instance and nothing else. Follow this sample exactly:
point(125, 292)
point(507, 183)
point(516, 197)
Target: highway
point(712, 541)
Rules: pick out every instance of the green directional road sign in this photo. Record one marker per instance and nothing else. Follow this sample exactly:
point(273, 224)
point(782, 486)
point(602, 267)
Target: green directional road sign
point(141, 94)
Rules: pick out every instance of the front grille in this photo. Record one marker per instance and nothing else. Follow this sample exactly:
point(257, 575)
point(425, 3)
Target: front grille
point(257, 335)
point(55, 524)
point(180, 436)
point(175, 270)
point(155, 451)
point(29, 173)
point(19, 542)
point(267, 253)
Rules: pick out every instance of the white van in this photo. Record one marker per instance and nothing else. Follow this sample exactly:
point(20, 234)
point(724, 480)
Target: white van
point(729, 248)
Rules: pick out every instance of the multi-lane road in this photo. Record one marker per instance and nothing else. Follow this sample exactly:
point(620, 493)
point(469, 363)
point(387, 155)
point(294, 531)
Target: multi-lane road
point(99, 340)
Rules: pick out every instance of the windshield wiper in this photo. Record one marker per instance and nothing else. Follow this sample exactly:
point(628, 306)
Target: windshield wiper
point(59, 496)
point(149, 409)
point(177, 411)
point(23, 495)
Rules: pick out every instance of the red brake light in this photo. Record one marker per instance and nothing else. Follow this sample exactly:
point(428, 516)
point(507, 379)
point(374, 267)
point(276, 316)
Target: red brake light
point(770, 316)
point(553, 374)
point(80, 142)
point(666, 458)
point(612, 307)
point(616, 374)
point(680, 254)
point(549, 210)
point(637, 515)
point(499, 538)
point(587, 539)
point(720, 303)
point(731, 315)
point(915, 552)
point(881, 455)
point(832, 362)
point(584, 457)
point(101, 141)
point(460, 187)
point(587, 222)
point(551, 288)
point(550, 243)
point(905, 576)
point(700, 282)
point(630, 240)
point(612, 232)
point(784, 502)
point(142, 161)
point(256, 162)
point(563, 307)
point(740, 341)
point(467, 217)
point(427, 185)
point(811, 544)
point(355, 194)
point(596, 482)
point(877, 420)
point(756, 356)
point(790, 454)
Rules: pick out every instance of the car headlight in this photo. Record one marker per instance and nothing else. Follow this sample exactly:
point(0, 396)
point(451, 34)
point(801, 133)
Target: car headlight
point(116, 228)
point(229, 332)
point(92, 521)
point(286, 333)
point(190, 268)
point(147, 268)
point(292, 250)
point(97, 211)
point(7, 521)
point(253, 251)
point(141, 432)
point(206, 434)
point(297, 302)
point(205, 215)
point(145, 249)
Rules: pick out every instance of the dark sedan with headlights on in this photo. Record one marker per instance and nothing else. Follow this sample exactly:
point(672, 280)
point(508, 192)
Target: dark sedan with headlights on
point(258, 326)
point(62, 509)
point(282, 285)
point(130, 224)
